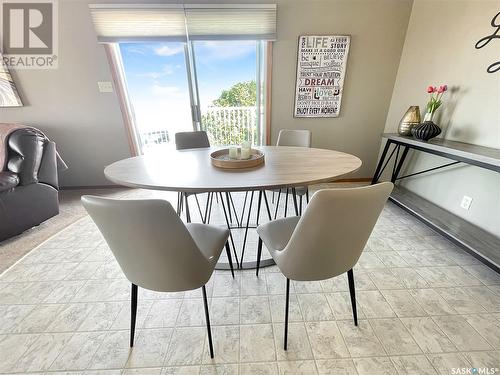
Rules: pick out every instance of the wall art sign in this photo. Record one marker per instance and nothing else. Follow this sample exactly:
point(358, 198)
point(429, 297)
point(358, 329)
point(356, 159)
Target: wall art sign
point(321, 64)
point(495, 23)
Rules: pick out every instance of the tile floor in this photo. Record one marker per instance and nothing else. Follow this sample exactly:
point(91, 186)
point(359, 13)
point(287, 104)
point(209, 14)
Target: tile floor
point(425, 307)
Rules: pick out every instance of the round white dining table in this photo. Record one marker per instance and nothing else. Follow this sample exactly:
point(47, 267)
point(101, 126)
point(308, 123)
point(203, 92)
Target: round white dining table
point(191, 171)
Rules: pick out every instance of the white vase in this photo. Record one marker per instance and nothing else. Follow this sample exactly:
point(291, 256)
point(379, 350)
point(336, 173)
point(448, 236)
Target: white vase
point(428, 116)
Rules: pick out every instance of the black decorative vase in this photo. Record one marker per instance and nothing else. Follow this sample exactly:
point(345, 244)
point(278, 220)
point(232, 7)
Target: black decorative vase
point(426, 130)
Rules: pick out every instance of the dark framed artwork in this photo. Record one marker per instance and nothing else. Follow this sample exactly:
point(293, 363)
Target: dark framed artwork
point(9, 96)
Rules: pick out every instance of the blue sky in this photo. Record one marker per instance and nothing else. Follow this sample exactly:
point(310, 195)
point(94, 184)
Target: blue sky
point(157, 81)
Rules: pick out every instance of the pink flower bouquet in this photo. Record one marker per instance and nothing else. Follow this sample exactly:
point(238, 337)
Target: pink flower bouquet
point(435, 101)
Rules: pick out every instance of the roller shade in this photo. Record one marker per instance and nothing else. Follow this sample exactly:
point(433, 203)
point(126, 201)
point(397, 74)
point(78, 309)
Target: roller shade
point(128, 23)
point(226, 22)
point(146, 22)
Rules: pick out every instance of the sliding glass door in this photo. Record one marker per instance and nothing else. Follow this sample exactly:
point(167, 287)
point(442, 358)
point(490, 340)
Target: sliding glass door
point(227, 80)
point(158, 91)
point(214, 86)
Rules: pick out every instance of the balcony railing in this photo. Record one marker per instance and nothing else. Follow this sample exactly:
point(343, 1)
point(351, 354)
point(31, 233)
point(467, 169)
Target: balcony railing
point(230, 125)
point(224, 125)
point(155, 137)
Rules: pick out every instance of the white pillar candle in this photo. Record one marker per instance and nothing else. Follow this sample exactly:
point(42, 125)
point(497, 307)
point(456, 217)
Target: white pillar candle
point(246, 145)
point(245, 153)
point(233, 152)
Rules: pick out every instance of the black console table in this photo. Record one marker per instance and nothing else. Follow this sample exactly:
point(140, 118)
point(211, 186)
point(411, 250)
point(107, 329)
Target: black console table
point(481, 244)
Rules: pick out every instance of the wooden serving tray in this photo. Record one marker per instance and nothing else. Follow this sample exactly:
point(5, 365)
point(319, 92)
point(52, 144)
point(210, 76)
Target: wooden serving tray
point(220, 159)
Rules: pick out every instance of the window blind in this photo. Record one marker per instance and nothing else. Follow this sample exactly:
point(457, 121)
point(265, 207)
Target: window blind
point(146, 22)
point(129, 23)
point(226, 22)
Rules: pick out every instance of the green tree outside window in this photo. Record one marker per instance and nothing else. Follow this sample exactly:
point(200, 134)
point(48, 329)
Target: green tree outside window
point(236, 124)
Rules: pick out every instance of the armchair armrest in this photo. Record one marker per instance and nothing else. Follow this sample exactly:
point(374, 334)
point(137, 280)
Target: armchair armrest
point(47, 173)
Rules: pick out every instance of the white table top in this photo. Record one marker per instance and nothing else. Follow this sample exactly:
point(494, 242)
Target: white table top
point(192, 170)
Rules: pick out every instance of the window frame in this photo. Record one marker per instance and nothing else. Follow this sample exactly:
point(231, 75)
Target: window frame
point(118, 76)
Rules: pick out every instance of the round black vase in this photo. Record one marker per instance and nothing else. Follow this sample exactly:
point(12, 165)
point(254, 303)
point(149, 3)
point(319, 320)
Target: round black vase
point(426, 130)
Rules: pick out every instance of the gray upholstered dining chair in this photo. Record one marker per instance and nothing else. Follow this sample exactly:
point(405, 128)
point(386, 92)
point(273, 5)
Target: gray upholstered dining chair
point(327, 240)
point(195, 139)
point(293, 138)
point(156, 250)
point(183, 141)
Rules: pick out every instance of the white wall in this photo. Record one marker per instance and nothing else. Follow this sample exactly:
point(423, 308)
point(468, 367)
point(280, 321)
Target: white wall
point(439, 48)
point(87, 125)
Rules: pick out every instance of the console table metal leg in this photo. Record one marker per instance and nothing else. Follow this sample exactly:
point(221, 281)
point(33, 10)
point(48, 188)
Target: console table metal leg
point(379, 169)
point(399, 164)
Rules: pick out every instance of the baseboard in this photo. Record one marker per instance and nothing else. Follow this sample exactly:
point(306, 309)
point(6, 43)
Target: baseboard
point(473, 239)
point(361, 179)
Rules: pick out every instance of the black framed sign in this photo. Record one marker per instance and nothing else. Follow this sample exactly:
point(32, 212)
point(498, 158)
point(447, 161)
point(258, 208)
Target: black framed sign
point(321, 64)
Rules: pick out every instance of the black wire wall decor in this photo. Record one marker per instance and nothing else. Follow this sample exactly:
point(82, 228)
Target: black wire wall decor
point(495, 23)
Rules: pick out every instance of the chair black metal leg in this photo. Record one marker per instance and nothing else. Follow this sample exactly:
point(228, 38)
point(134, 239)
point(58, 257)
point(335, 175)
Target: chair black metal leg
point(259, 254)
point(133, 313)
point(229, 258)
point(267, 205)
point(307, 195)
point(296, 207)
point(277, 205)
point(207, 317)
point(286, 202)
point(300, 205)
point(188, 214)
point(179, 199)
point(350, 277)
point(207, 219)
point(287, 303)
